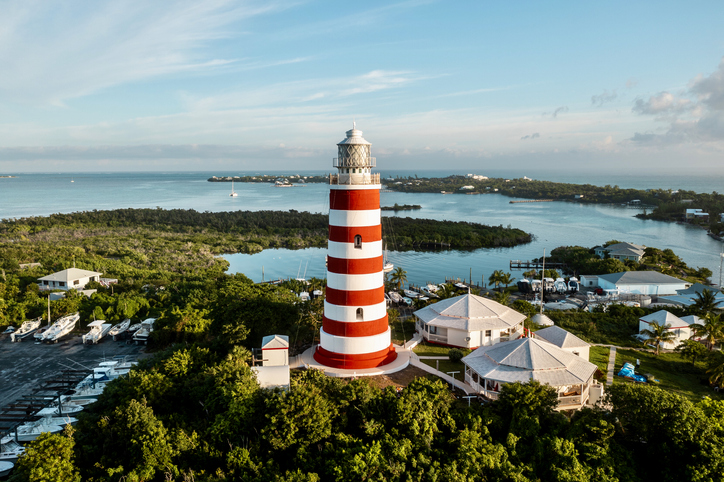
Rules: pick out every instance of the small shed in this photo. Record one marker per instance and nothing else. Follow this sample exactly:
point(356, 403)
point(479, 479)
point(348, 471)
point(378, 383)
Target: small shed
point(275, 350)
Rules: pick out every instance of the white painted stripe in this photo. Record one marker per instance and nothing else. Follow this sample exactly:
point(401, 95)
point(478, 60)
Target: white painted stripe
point(367, 217)
point(354, 345)
point(355, 187)
point(355, 282)
point(349, 313)
point(372, 249)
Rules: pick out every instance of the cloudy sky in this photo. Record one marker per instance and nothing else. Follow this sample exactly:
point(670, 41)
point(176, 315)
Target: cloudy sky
point(240, 85)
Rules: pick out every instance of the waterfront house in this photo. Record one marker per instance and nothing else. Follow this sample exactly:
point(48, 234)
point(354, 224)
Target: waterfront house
point(696, 214)
point(642, 282)
point(621, 251)
point(469, 321)
point(681, 327)
point(71, 278)
point(564, 340)
point(489, 368)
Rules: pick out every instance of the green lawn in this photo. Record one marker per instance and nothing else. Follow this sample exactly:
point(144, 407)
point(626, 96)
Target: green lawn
point(676, 373)
point(599, 356)
point(402, 331)
point(425, 349)
point(448, 366)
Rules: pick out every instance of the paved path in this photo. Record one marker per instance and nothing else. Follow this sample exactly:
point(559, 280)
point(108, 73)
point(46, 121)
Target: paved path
point(421, 357)
point(611, 366)
point(414, 361)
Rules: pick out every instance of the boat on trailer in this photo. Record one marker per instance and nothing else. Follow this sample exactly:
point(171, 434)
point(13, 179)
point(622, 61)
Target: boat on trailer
point(26, 329)
point(120, 328)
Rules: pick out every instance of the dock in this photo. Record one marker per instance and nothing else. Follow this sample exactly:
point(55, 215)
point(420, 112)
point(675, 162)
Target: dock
point(533, 201)
point(518, 264)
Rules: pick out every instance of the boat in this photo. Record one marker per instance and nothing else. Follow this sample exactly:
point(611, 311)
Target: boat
point(141, 336)
point(304, 296)
point(98, 329)
point(134, 327)
point(6, 467)
point(61, 327)
point(66, 408)
point(407, 301)
point(62, 421)
point(411, 294)
point(462, 286)
point(28, 432)
point(573, 284)
point(535, 285)
point(560, 285)
point(120, 328)
point(26, 329)
point(388, 267)
point(431, 288)
point(10, 450)
point(395, 297)
point(233, 193)
point(40, 333)
point(317, 293)
point(9, 330)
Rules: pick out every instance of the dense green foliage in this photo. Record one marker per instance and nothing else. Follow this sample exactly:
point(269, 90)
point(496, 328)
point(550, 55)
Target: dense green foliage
point(668, 205)
point(403, 207)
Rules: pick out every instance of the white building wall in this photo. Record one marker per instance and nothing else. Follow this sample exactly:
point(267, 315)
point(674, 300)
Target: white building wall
point(644, 289)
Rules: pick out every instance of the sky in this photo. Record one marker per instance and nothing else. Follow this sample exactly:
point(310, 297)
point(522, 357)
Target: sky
point(238, 86)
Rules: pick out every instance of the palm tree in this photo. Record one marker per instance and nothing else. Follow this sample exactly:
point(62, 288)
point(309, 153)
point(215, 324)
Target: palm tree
point(716, 371)
point(706, 301)
point(506, 279)
point(503, 298)
point(495, 278)
point(712, 329)
point(398, 277)
point(659, 334)
point(446, 291)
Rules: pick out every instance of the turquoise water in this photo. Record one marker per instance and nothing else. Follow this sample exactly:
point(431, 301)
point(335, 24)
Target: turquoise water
point(552, 224)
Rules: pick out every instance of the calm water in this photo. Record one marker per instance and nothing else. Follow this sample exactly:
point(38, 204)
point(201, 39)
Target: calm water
point(552, 224)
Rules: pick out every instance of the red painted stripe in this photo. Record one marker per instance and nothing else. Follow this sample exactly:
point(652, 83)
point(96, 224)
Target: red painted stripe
point(354, 266)
point(355, 328)
point(355, 298)
point(354, 200)
point(355, 362)
point(346, 234)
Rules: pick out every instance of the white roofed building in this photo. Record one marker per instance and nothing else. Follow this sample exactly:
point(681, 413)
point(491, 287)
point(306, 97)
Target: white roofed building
point(681, 327)
point(71, 278)
point(621, 251)
point(488, 368)
point(642, 282)
point(469, 321)
point(564, 340)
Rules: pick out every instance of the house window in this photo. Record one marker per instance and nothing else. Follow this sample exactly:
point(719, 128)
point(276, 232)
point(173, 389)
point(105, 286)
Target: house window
point(433, 330)
point(576, 353)
point(45, 283)
point(62, 283)
point(358, 241)
point(76, 282)
point(487, 333)
point(360, 315)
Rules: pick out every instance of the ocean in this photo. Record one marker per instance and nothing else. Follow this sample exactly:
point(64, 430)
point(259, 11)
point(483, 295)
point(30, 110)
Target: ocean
point(552, 224)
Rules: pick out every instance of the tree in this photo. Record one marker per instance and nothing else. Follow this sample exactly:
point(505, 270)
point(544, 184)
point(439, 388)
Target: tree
point(496, 278)
point(712, 329)
point(398, 277)
point(659, 334)
point(48, 459)
point(691, 349)
point(506, 279)
point(706, 301)
point(503, 298)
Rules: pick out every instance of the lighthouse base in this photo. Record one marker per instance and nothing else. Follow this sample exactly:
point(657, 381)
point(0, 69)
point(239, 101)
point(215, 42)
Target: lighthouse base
point(400, 361)
point(355, 362)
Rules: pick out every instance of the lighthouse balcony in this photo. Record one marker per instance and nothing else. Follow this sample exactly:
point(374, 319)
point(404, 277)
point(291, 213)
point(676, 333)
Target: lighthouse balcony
point(354, 179)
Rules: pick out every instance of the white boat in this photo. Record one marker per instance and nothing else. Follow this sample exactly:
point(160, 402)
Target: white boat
point(134, 327)
point(535, 285)
point(40, 333)
point(233, 193)
point(66, 408)
point(26, 329)
point(573, 284)
point(411, 294)
point(9, 330)
point(388, 267)
point(61, 327)
point(28, 432)
point(141, 336)
point(407, 301)
point(317, 293)
point(62, 421)
point(560, 285)
point(10, 450)
point(304, 296)
point(461, 286)
point(120, 328)
point(395, 297)
point(6, 467)
point(431, 288)
point(98, 329)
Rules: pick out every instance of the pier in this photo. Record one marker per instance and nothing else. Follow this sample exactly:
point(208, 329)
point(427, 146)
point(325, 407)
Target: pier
point(533, 201)
point(518, 264)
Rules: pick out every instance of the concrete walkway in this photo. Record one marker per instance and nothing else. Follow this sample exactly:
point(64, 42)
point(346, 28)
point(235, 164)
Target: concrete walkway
point(611, 365)
point(415, 361)
point(423, 357)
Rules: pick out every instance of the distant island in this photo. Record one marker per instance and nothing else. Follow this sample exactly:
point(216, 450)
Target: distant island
point(272, 178)
point(6, 177)
point(404, 207)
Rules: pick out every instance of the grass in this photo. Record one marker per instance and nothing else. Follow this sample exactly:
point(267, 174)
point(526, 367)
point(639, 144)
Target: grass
point(402, 331)
point(599, 356)
point(677, 374)
point(426, 349)
point(447, 366)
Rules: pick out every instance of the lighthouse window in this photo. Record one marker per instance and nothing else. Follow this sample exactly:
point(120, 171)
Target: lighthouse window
point(358, 242)
point(359, 314)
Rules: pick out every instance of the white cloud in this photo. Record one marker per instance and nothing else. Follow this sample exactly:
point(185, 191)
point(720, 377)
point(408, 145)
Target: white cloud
point(662, 103)
point(603, 98)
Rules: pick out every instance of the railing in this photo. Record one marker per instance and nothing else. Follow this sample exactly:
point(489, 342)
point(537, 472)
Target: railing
point(571, 400)
point(438, 338)
point(354, 179)
point(367, 162)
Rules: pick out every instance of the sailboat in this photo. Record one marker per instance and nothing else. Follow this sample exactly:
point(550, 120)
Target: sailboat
point(233, 193)
point(388, 266)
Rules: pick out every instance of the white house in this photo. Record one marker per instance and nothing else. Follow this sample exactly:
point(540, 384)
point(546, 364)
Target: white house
point(692, 214)
point(469, 321)
point(564, 340)
point(679, 326)
point(642, 282)
point(71, 278)
point(274, 372)
point(488, 368)
point(589, 280)
point(621, 251)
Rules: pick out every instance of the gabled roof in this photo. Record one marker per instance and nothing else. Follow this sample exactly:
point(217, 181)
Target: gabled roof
point(640, 277)
point(527, 359)
point(663, 317)
point(70, 274)
point(560, 337)
point(274, 341)
point(693, 320)
point(469, 312)
point(699, 288)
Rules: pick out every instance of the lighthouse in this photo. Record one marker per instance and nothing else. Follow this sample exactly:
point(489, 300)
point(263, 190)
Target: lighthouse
point(355, 333)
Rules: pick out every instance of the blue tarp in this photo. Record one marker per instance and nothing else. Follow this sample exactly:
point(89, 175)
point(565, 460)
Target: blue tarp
point(628, 371)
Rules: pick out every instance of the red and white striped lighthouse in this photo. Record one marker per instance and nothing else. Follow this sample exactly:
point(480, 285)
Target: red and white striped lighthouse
point(355, 333)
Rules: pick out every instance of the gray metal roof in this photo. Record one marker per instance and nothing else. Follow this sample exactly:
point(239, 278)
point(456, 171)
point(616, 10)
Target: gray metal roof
point(663, 317)
point(560, 337)
point(70, 274)
point(640, 277)
point(529, 359)
point(469, 312)
point(354, 136)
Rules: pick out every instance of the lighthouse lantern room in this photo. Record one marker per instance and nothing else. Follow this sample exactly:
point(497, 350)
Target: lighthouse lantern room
point(355, 333)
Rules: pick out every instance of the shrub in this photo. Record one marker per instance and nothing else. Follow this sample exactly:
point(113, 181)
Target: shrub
point(455, 355)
